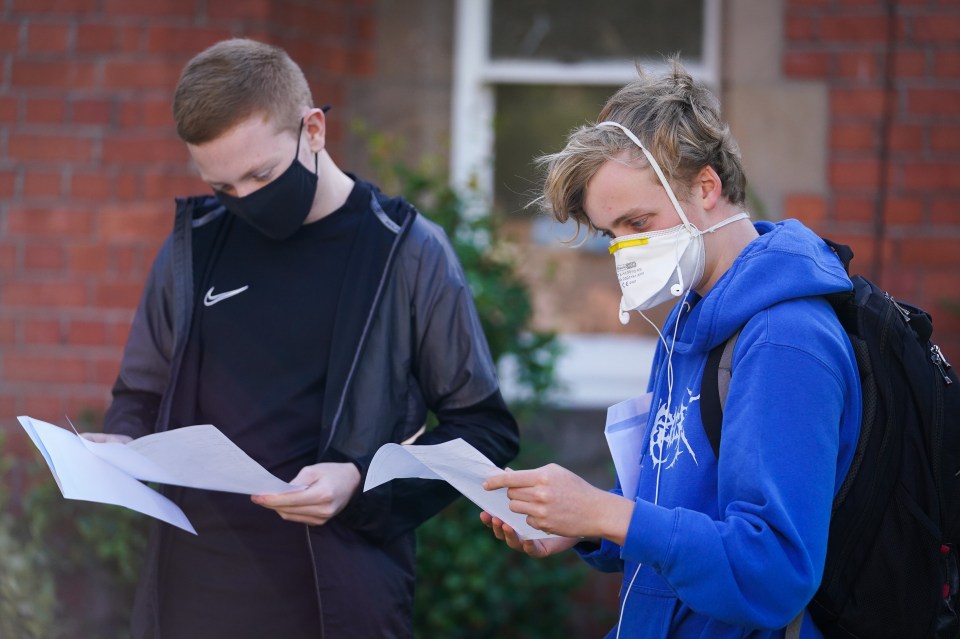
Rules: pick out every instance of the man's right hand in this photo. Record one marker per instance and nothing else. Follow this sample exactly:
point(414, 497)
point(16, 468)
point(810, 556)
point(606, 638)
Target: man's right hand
point(104, 438)
point(537, 548)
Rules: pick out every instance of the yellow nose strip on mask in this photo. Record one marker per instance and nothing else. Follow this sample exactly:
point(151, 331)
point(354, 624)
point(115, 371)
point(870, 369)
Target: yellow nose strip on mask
point(640, 241)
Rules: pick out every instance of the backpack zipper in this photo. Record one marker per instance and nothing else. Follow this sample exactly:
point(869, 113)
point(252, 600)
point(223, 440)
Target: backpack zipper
point(904, 312)
point(936, 355)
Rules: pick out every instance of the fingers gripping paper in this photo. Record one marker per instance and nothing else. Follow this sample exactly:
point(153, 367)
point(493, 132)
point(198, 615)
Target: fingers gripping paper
point(457, 463)
point(81, 474)
point(194, 456)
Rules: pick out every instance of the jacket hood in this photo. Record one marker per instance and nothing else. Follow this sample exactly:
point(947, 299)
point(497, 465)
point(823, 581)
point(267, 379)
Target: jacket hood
point(199, 210)
point(787, 261)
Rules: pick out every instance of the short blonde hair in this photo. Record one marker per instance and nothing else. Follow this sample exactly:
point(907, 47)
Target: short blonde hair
point(233, 80)
point(678, 120)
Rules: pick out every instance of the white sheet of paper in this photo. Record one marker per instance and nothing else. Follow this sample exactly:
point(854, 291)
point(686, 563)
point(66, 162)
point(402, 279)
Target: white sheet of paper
point(626, 425)
point(203, 457)
point(194, 456)
point(460, 465)
point(82, 475)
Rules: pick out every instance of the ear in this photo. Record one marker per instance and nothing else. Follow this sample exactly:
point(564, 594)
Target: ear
point(315, 126)
point(708, 187)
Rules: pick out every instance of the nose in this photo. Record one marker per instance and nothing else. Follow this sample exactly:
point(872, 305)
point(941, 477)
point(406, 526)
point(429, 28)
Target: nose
point(244, 190)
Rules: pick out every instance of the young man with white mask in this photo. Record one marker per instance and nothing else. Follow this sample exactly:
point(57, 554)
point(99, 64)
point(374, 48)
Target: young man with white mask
point(710, 546)
point(312, 319)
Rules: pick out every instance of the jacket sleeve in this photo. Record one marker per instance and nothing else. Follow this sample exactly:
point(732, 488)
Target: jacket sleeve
point(452, 363)
point(145, 367)
point(457, 379)
point(488, 426)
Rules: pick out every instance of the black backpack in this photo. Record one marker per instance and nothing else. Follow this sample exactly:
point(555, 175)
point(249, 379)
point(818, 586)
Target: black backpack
point(891, 568)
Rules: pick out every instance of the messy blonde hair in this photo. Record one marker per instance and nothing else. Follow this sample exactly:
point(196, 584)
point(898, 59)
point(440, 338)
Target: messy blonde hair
point(678, 120)
point(233, 80)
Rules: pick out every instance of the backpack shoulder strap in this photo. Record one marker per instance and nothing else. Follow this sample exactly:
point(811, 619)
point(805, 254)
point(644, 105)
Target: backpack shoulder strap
point(844, 252)
point(713, 397)
point(793, 630)
point(714, 388)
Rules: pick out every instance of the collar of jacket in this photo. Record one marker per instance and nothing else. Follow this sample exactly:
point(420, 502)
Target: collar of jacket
point(382, 230)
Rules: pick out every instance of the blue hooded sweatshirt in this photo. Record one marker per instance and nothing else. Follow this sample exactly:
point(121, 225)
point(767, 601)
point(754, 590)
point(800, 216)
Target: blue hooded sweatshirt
point(737, 548)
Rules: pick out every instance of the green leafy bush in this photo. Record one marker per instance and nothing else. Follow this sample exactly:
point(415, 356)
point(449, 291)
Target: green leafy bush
point(67, 568)
point(489, 261)
point(27, 596)
point(471, 586)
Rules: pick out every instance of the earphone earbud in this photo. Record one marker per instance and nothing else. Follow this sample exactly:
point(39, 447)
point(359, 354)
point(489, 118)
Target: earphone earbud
point(676, 290)
point(624, 317)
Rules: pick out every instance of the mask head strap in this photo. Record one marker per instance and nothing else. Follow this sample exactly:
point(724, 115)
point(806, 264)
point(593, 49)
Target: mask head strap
point(654, 165)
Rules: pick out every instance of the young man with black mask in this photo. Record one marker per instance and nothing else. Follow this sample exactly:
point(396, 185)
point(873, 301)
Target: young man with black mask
point(312, 319)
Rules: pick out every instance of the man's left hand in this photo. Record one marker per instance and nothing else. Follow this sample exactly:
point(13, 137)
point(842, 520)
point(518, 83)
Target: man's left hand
point(329, 488)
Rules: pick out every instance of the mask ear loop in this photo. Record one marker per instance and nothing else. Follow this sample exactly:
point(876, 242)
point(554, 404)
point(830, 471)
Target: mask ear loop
point(316, 156)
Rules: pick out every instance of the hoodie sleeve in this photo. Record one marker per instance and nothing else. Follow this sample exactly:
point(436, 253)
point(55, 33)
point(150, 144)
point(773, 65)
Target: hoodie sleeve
point(761, 562)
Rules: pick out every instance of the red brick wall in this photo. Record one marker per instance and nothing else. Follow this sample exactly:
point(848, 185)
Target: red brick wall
point(90, 163)
point(915, 112)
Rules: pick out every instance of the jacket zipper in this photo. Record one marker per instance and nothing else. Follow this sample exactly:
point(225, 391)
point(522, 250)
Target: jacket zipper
point(366, 327)
point(333, 426)
point(316, 580)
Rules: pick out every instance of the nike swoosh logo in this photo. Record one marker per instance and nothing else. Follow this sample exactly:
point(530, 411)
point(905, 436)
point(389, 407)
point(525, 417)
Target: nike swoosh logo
point(210, 299)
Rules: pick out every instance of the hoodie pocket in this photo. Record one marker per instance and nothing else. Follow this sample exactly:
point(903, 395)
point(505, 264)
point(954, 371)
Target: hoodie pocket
point(647, 605)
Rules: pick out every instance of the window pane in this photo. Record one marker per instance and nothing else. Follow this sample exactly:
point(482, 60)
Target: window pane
point(575, 31)
point(532, 120)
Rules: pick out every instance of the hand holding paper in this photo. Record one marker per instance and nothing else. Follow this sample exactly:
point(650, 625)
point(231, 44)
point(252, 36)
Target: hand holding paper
point(557, 500)
point(80, 474)
point(108, 472)
point(459, 464)
point(329, 486)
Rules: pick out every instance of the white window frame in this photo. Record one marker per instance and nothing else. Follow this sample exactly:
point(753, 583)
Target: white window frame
point(475, 76)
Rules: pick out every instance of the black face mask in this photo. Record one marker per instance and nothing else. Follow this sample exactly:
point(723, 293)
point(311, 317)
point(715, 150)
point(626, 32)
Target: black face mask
point(279, 208)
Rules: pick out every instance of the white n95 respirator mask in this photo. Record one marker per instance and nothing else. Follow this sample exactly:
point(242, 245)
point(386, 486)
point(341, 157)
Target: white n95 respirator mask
point(657, 267)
